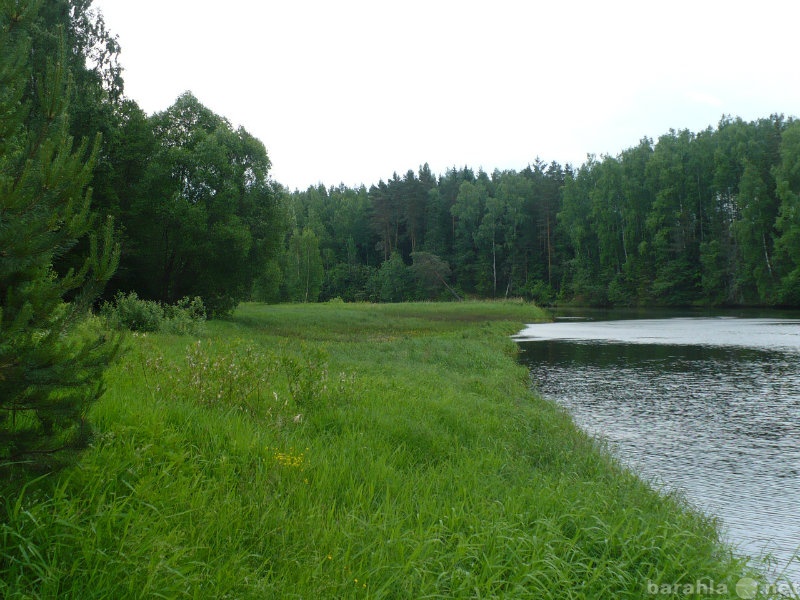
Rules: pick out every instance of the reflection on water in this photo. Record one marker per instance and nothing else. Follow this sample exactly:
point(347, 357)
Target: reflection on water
point(717, 415)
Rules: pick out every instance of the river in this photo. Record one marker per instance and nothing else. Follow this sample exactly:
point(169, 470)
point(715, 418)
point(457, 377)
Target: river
point(709, 406)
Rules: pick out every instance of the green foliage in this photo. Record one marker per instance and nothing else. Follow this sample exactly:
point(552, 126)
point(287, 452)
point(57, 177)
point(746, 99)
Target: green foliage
point(431, 273)
point(392, 281)
point(304, 271)
point(130, 312)
point(186, 317)
point(204, 219)
point(690, 219)
point(233, 373)
point(787, 177)
point(51, 369)
point(308, 378)
point(348, 282)
point(541, 293)
point(267, 286)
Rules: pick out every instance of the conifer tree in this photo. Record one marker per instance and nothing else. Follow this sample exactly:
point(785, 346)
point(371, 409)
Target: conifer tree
point(51, 368)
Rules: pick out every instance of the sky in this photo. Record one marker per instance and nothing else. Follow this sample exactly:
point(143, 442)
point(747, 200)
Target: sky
point(351, 91)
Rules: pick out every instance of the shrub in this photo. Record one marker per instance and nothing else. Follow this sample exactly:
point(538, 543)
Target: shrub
point(541, 293)
point(185, 317)
point(128, 311)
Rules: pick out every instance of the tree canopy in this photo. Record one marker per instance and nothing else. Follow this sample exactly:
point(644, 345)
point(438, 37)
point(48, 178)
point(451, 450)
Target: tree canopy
point(203, 218)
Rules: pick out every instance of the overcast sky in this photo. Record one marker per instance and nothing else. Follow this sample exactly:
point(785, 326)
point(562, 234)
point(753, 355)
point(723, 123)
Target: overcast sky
point(350, 91)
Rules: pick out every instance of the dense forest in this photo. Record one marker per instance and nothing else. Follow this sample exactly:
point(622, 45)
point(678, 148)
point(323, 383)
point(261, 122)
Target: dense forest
point(705, 218)
point(708, 218)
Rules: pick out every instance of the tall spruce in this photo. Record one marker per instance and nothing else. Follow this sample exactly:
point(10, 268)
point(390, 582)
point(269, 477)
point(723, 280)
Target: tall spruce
point(51, 367)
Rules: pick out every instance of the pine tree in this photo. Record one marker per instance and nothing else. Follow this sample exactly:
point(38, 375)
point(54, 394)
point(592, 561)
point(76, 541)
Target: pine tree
point(51, 367)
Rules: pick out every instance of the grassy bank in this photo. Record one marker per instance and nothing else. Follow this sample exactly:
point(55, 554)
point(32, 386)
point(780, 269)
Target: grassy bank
point(345, 451)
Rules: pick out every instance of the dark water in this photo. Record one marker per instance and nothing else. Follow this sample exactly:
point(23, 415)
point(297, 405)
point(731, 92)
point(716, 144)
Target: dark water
point(710, 406)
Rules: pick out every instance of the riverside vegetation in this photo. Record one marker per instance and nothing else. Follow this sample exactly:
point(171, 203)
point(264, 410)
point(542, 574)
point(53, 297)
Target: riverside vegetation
point(346, 451)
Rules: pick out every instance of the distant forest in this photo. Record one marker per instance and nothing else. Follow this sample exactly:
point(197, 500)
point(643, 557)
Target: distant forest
point(708, 218)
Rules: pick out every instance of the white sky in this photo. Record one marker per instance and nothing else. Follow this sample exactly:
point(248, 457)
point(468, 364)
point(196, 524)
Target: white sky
point(350, 91)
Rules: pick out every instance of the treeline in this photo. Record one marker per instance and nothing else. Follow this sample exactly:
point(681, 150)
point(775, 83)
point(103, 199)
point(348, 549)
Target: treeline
point(692, 219)
point(705, 218)
point(425, 237)
point(709, 218)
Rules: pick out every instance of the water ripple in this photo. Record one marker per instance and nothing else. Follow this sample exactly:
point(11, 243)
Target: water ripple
point(717, 416)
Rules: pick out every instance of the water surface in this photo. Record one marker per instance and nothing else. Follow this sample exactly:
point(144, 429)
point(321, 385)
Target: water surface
point(709, 406)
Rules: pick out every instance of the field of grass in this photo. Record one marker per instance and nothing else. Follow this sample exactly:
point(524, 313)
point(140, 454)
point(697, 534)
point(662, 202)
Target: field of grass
point(346, 451)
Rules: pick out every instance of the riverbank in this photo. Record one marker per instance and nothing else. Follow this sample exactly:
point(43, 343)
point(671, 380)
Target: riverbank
point(346, 451)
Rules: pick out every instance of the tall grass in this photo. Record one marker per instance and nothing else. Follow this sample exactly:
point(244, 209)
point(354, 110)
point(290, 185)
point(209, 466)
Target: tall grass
point(345, 451)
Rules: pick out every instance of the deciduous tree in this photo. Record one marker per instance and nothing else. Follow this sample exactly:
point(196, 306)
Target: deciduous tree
point(206, 219)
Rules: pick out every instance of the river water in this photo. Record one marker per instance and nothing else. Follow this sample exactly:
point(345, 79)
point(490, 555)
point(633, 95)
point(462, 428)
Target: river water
point(706, 405)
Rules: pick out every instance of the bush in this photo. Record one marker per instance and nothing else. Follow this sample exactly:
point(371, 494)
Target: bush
point(185, 317)
point(541, 293)
point(128, 311)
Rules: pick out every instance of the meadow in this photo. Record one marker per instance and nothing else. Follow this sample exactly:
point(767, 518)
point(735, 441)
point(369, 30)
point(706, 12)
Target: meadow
point(347, 451)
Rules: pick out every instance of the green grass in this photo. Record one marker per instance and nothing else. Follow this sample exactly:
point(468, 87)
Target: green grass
point(345, 451)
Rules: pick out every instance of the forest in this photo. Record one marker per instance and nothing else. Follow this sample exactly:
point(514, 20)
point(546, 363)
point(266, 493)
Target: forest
point(704, 218)
point(690, 219)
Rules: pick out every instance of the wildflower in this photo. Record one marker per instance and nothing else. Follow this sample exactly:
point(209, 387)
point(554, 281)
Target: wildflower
point(288, 459)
